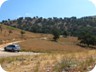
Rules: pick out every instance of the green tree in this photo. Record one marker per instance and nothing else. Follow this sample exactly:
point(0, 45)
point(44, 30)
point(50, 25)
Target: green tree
point(22, 33)
point(10, 31)
point(56, 34)
point(1, 28)
point(87, 38)
point(65, 33)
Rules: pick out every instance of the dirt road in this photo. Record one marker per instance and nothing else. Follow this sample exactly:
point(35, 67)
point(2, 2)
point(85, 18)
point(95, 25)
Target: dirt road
point(8, 54)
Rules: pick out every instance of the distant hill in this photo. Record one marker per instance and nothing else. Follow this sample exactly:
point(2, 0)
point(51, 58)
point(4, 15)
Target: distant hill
point(72, 25)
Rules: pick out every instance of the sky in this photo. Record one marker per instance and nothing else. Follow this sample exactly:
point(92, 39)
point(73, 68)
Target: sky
point(12, 9)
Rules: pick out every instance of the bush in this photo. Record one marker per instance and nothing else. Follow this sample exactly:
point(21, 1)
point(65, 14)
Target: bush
point(56, 34)
point(87, 38)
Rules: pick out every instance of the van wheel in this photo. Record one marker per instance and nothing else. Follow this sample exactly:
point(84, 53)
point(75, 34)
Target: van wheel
point(5, 49)
point(17, 51)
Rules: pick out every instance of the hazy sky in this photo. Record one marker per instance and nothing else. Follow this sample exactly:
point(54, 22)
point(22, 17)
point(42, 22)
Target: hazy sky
point(13, 9)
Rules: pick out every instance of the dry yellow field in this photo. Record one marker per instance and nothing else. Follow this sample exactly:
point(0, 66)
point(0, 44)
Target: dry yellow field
point(64, 55)
point(70, 62)
point(64, 45)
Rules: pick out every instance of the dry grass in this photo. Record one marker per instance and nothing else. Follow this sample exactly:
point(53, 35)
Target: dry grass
point(15, 35)
point(34, 42)
point(64, 45)
point(63, 55)
point(75, 62)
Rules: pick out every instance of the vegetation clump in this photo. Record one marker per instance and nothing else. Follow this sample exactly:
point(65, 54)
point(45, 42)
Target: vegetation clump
point(56, 34)
point(87, 37)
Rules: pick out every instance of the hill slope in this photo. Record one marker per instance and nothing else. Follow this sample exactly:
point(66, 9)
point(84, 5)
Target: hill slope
point(15, 34)
point(37, 42)
point(71, 25)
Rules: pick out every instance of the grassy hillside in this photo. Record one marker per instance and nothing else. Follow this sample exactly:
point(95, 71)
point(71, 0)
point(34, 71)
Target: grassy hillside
point(37, 42)
point(64, 45)
point(64, 55)
point(70, 62)
point(72, 25)
point(15, 35)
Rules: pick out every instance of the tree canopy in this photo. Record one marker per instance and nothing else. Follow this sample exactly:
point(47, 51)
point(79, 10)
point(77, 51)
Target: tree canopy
point(71, 25)
point(87, 37)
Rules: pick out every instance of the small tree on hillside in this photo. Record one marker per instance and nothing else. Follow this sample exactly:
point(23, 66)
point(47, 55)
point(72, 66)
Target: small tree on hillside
point(56, 34)
point(87, 38)
point(1, 28)
point(10, 31)
point(22, 33)
point(65, 33)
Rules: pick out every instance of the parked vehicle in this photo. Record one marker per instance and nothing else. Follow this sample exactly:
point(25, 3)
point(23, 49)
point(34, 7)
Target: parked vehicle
point(13, 48)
